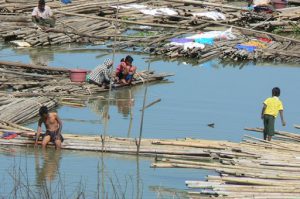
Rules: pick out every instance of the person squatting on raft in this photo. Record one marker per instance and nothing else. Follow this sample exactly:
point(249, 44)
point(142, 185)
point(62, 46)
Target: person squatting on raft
point(42, 15)
point(125, 71)
point(53, 128)
point(267, 6)
point(271, 107)
point(101, 75)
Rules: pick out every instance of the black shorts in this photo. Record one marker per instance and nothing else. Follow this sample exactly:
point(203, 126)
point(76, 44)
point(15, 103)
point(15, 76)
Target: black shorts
point(121, 76)
point(54, 136)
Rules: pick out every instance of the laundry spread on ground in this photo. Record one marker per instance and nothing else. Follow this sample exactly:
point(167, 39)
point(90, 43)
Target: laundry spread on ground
point(216, 35)
point(148, 10)
point(9, 135)
point(209, 41)
point(211, 15)
point(188, 45)
point(201, 39)
point(252, 45)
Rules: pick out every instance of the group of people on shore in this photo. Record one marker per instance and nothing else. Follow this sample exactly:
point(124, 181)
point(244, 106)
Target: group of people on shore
point(102, 75)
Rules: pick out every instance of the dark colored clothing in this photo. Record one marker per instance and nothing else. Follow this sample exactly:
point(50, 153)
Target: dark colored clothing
point(120, 75)
point(44, 22)
point(269, 125)
point(54, 135)
point(129, 77)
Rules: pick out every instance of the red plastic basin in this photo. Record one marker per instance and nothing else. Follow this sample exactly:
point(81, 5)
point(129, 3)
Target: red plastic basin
point(78, 75)
point(278, 4)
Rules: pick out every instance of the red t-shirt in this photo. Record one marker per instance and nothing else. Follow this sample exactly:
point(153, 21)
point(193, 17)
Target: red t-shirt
point(121, 67)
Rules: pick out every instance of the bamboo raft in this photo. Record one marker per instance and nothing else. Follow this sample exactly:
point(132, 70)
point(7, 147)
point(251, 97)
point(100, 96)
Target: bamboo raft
point(91, 22)
point(25, 80)
point(253, 168)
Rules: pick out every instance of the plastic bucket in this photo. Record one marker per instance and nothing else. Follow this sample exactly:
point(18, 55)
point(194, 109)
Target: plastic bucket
point(279, 4)
point(78, 75)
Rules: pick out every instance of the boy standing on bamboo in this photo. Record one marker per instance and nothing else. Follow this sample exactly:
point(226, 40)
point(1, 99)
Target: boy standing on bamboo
point(272, 106)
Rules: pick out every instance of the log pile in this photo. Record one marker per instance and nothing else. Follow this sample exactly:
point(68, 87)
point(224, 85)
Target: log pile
point(274, 52)
point(95, 22)
point(20, 110)
point(253, 168)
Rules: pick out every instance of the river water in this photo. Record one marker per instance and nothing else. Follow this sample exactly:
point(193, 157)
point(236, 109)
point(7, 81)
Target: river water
point(226, 94)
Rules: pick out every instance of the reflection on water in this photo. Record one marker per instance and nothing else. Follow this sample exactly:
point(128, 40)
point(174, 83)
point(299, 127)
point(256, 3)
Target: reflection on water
point(123, 99)
point(38, 56)
point(48, 169)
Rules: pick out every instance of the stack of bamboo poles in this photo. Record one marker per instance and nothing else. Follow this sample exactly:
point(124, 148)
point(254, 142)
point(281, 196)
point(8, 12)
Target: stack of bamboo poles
point(19, 110)
point(253, 168)
point(273, 51)
point(33, 81)
point(17, 26)
point(93, 22)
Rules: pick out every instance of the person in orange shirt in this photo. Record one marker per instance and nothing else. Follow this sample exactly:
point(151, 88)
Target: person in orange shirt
point(271, 107)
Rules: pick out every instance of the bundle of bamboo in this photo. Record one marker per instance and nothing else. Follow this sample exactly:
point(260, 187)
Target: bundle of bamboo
point(94, 22)
point(19, 110)
point(253, 168)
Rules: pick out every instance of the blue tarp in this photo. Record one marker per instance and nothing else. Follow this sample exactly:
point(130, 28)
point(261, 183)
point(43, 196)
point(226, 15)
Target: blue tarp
point(66, 1)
